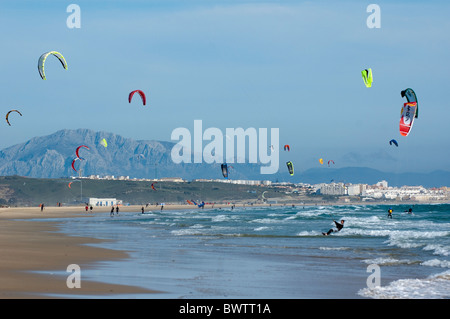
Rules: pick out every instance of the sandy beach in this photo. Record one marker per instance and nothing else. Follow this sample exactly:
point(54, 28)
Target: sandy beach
point(28, 247)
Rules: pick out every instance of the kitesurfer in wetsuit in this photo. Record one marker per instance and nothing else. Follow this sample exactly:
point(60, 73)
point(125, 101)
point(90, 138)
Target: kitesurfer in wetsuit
point(339, 226)
point(390, 213)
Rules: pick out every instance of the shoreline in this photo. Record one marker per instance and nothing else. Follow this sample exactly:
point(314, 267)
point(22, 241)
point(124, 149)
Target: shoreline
point(32, 251)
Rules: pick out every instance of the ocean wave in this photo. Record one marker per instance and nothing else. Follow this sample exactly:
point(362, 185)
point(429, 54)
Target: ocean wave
point(437, 263)
point(334, 248)
point(433, 287)
point(438, 249)
point(389, 261)
point(261, 228)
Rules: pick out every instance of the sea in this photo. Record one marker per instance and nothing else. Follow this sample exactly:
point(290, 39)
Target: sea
point(276, 252)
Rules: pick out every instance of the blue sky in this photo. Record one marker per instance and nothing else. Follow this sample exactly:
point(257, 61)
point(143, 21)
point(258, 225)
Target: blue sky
point(292, 65)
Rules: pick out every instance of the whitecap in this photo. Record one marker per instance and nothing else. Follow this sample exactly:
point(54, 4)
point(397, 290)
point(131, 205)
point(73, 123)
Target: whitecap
point(387, 261)
point(436, 263)
point(438, 249)
point(433, 287)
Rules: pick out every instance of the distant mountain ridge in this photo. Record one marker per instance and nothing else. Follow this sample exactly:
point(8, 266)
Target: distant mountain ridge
point(51, 157)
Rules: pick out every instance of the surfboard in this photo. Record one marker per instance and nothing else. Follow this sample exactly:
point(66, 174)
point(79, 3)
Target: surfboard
point(407, 118)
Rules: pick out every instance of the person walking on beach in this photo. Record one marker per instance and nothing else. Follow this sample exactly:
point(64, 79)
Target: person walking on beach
point(42, 207)
point(390, 213)
point(339, 226)
point(112, 211)
point(117, 210)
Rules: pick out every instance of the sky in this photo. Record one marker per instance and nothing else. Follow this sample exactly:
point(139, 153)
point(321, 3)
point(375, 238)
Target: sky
point(291, 65)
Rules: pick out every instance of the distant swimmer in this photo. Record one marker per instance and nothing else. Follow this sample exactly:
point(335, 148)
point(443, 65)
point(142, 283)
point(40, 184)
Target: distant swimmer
point(390, 213)
point(409, 211)
point(339, 226)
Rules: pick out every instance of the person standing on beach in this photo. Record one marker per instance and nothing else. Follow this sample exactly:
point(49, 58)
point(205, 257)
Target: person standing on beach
point(117, 210)
point(339, 226)
point(42, 207)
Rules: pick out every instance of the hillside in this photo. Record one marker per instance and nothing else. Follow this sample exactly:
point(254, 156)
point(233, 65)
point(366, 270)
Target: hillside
point(23, 191)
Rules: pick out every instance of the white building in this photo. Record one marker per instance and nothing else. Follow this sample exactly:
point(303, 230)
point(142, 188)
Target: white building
point(333, 189)
point(104, 201)
point(354, 189)
point(383, 183)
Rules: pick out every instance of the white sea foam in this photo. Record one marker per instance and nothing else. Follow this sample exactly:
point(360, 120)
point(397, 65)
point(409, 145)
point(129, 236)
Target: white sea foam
point(388, 261)
point(220, 218)
point(309, 233)
point(266, 221)
point(261, 228)
point(438, 249)
point(436, 263)
point(436, 286)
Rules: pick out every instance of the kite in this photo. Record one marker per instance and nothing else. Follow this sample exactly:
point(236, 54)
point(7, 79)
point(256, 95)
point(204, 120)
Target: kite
point(44, 56)
point(287, 147)
point(393, 142)
point(153, 187)
point(321, 161)
point(290, 167)
point(78, 149)
point(73, 163)
point(104, 143)
point(224, 170)
point(141, 93)
point(69, 184)
point(411, 98)
point(330, 161)
point(407, 118)
point(7, 116)
point(367, 77)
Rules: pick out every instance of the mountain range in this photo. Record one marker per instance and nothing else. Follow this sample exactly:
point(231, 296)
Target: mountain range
point(51, 156)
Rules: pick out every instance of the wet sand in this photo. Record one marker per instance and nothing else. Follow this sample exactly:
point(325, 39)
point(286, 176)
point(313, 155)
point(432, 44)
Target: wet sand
point(33, 251)
point(28, 247)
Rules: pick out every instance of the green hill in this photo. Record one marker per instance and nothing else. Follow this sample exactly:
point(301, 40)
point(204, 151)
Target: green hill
point(24, 191)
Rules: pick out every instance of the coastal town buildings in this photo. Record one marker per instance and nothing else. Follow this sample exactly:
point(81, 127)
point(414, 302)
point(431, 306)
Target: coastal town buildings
point(379, 191)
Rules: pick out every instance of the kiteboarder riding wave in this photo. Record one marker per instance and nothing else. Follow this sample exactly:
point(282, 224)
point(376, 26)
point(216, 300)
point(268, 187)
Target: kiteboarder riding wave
point(339, 226)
